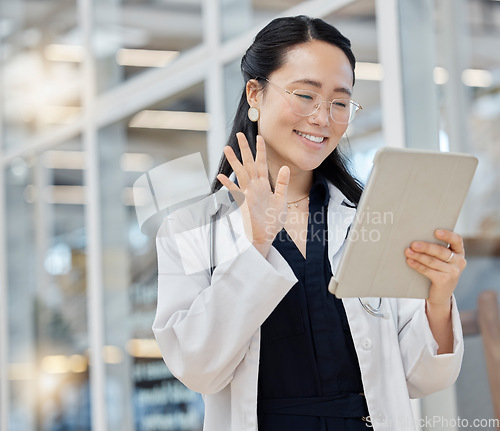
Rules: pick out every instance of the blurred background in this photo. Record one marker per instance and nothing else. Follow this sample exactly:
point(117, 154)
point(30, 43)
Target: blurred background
point(93, 94)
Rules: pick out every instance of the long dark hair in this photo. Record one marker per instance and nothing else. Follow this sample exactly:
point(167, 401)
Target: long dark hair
point(267, 54)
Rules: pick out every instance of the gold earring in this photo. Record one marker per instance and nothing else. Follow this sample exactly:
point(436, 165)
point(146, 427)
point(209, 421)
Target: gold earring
point(253, 114)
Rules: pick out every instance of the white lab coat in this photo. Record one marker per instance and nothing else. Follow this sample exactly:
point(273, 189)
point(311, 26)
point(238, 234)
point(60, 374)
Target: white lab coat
point(208, 327)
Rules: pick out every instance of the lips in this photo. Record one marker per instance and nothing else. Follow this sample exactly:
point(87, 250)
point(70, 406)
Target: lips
point(312, 138)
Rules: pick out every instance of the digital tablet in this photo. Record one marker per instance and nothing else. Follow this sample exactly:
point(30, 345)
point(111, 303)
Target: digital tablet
point(409, 194)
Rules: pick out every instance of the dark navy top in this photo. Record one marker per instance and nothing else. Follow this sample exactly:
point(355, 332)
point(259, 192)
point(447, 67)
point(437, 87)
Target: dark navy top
point(309, 377)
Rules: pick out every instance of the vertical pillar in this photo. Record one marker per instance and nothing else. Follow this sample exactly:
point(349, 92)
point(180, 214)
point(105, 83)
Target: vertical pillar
point(4, 317)
point(221, 87)
point(116, 275)
point(11, 11)
point(406, 44)
point(92, 223)
point(391, 87)
point(454, 51)
point(234, 11)
point(407, 52)
point(20, 292)
point(214, 88)
point(110, 145)
point(418, 61)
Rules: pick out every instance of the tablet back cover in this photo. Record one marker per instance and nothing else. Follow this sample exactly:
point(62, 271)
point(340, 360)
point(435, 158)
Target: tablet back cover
point(409, 194)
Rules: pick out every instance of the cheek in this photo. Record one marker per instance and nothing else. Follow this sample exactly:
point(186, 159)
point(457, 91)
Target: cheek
point(339, 130)
point(277, 112)
point(275, 122)
point(336, 135)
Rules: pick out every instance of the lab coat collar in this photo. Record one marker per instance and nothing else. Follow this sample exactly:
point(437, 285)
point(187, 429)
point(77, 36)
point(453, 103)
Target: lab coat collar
point(340, 216)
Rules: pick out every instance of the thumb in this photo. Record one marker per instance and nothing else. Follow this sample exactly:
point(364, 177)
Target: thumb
point(281, 188)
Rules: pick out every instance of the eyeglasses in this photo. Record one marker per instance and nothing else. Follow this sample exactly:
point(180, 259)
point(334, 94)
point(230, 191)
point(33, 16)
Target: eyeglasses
point(306, 103)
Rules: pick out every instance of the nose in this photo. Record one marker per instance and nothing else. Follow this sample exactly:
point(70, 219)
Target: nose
point(322, 115)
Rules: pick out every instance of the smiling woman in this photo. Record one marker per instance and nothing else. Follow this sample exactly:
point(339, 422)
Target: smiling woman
point(259, 334)
point(301, 142)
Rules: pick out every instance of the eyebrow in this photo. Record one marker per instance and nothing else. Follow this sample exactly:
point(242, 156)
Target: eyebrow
point(319, 85)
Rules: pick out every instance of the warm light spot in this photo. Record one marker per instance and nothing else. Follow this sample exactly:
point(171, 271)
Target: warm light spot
point(143, 348)
point(55, 364)
point(77, 363)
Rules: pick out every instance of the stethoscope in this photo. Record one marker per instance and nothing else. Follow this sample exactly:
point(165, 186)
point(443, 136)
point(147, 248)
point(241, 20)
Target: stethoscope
point(374, 311)
point(213, 221)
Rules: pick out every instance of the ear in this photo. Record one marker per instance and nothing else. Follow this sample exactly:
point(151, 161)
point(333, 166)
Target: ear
point(254, 93)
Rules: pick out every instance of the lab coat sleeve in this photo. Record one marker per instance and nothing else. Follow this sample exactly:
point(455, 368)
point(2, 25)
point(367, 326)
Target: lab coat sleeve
point(426, 371)
point(204, 323)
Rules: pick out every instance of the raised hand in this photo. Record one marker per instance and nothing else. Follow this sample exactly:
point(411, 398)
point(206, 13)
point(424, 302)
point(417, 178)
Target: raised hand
point(264, 212)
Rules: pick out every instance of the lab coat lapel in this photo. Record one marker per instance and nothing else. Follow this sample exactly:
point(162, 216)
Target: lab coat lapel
point(340, 217)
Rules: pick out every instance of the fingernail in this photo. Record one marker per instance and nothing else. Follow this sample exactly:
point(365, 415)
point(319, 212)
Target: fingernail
point(440, 232)
point(417, 245)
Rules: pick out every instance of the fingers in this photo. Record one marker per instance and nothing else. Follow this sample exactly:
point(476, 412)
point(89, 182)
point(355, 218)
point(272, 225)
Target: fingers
point(447, 279)
point(432, 250)
point(246, 155)
point(429, 272)
point(439, 251)
point(261, 158)
point(281, 188)
point(454, 239)
point(427, 260)
point(225, 181)
point(437, 257)
point(238, 168)
point(248, 169)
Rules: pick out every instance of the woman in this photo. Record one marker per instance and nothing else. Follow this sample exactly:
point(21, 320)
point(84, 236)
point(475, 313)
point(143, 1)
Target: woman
point(258, 333)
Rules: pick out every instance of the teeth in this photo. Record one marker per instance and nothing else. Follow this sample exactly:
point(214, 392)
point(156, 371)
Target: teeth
point(317, 139)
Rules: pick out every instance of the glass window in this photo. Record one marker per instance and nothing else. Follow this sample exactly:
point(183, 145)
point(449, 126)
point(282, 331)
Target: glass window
point(471, 89)
point(40, 58)
point(47, 299)
point(133, 37)
point(143, 395)
point(135, 42)
point(364, 136)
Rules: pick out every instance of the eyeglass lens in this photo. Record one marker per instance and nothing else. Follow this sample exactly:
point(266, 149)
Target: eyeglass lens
point(305, 103)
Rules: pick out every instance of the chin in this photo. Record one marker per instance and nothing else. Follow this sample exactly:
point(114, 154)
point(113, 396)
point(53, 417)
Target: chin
point(309, 165)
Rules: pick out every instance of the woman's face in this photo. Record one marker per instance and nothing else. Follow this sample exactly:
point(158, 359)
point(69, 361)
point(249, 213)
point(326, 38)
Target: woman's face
point(316, 66)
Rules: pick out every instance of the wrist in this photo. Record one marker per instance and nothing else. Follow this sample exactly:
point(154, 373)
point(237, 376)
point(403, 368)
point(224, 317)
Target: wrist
point(442, 307)
point(262, 247)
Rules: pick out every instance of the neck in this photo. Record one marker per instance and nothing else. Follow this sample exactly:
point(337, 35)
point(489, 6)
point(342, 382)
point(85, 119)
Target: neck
point(300, 181)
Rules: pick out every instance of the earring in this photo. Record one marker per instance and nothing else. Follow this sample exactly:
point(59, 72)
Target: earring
point(253, 114)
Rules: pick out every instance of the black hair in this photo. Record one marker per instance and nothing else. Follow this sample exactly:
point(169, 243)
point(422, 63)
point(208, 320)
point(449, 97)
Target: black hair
point(267, 54)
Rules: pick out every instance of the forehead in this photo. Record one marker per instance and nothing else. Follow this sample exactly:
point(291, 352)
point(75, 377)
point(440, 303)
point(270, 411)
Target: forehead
point(316, 61)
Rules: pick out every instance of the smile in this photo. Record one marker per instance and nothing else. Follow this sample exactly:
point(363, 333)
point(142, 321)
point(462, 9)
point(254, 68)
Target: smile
point(312, 138)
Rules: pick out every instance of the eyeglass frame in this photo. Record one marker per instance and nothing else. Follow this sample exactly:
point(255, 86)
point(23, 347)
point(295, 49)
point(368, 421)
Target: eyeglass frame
point(292, 93)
